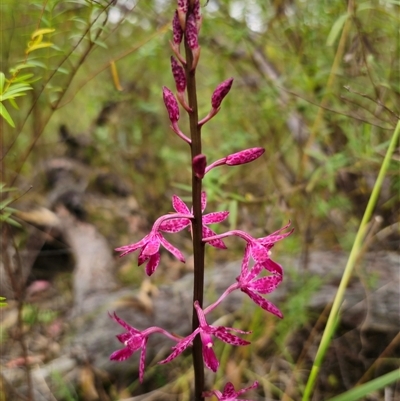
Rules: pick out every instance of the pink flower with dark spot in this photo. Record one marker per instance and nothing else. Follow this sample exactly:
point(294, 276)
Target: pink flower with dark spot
point(175, 225)
point(177, 30)
point(205, 331)
point(253, 286)
point(134, 340)
point(229, 393)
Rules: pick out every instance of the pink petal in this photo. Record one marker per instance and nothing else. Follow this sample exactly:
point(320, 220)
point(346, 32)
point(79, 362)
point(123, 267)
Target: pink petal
point(216, 243)
point(229, 390)
point(179, 205)
point(152, 246)
point(215, 217)
point(121, 354)
point(265, 285)
point(239, 392)
point(245, 261)
point(244, 156)
point(264, 303)
point(258, 252)
point(142, 359)
point(210, 360)
point(153, 263)
point(180, 347)
point(273, 267)
point(125, 325)
point(170, 248)
point(229, 338)
point(203, 201)
point(133, 247)
point(174, 225)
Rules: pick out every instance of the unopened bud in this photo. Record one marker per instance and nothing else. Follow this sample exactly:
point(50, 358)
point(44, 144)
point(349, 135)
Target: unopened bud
point(177, 30)
point(220, 92)
point(244, 156)
point(179, 75)
point(182, 11)
point(199, 165)
point(197, 14)
point(171, 104)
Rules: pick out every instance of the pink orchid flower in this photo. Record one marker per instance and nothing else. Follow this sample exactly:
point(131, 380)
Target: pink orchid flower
point(205, 331)
point(176, 225)
point(134, 340)
point(259, 248)
point(229, 393)
point(253, 286)
point(150, 245)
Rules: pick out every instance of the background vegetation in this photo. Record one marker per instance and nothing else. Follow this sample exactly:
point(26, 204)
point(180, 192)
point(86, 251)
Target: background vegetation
point(316, 84)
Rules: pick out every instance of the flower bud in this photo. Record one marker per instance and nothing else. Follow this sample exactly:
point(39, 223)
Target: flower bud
point(197, 14)
point(182, 11)
point(199, 165)
point(220, 92)
point(177, 30)
point(179, 75)
point(171, 104)
point(191, 33)
point(244, 156)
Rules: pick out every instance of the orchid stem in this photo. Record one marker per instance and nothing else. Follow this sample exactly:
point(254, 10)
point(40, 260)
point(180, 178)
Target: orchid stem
point(198, 244)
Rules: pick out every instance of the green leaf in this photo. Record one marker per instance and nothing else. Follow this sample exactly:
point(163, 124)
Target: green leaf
point(336, 28)
point(362, 391)
point(2, 81)
point(5, 115)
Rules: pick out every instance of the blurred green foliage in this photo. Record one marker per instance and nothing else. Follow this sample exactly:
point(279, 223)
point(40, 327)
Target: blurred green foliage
point(316, 84)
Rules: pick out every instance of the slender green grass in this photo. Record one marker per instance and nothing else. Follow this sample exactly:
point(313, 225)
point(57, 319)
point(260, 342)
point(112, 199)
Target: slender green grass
point(334, 314)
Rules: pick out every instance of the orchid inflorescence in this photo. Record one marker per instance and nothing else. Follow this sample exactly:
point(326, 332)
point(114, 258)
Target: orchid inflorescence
point(185, 25)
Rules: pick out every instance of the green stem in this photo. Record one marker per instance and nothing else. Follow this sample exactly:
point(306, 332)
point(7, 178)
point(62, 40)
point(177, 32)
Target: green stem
point(198, 244)
point(334, 314)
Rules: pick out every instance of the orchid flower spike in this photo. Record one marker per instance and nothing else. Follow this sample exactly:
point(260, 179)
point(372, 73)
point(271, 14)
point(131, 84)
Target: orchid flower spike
point(217, 97)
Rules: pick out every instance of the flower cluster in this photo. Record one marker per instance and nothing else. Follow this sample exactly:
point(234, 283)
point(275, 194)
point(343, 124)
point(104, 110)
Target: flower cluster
point(259, 274)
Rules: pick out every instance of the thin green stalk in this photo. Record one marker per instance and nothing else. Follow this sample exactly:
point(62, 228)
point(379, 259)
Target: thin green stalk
point(334, 314)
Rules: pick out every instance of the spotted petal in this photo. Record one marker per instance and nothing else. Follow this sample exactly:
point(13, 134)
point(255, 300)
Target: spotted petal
point(264, 303)
point(180, 347)
point(265, 285)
